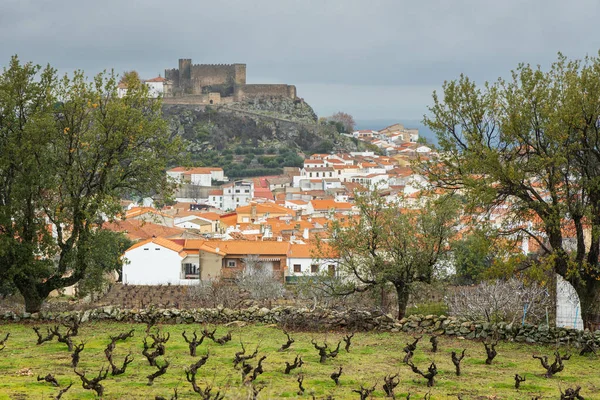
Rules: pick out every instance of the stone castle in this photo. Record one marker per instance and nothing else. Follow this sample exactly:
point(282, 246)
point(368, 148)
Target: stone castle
point(216, 83)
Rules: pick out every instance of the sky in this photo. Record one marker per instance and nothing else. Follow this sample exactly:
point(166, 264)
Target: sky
point(378, 60)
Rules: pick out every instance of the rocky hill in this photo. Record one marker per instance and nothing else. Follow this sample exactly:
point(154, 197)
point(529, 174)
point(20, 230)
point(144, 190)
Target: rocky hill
point(257, 137)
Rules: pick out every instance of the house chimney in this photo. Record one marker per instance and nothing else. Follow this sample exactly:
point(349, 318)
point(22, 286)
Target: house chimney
point(279, 239)
point(217, 249)
point(253, 210)
point(305, 234)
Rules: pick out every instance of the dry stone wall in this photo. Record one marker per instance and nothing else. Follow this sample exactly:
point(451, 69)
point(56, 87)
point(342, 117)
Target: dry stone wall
point(325, 320)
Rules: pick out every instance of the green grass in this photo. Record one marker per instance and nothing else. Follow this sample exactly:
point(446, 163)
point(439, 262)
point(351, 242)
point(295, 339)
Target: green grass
point(372, 356)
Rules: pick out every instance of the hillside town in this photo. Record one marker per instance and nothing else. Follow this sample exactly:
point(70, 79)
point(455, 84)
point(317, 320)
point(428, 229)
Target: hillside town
point(275, 218)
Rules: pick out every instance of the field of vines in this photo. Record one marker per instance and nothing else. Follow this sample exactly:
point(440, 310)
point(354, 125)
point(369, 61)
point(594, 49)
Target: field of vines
point(114, 361)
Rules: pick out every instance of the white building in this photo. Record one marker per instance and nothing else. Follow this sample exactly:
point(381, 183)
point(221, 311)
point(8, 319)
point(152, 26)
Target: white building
point(156, 87)
point(159, 261)
point(200, 176)
point(237, 194)
point(304, 260)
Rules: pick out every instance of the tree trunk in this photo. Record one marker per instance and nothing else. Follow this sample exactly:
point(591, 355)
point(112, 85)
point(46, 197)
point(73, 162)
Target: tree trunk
point(33, 299)
point(402, 294)
point(589, 297)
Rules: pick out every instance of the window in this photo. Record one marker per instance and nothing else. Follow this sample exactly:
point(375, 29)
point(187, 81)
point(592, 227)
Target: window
point(231, 263)
point(157, 248)
point(310, 174)
point(237, 190)
point(146, 248)
point(247, 191)
point(331, 270)
point(297, 268)
point(190, 270)
point(314, 268)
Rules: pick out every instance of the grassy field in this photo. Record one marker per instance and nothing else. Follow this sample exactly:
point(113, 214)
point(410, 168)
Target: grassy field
point(371, 357)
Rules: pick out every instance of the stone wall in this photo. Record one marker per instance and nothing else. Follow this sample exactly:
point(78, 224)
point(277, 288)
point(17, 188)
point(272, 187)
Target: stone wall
point(265, 90)
point(325, 320)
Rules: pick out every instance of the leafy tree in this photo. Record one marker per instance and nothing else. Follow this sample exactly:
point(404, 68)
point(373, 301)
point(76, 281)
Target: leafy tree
point(130, 77)
point(531, 143)
point(345, 119)
point(69, 148)
point(387, 245)
point(105, 253)
point(473, 256)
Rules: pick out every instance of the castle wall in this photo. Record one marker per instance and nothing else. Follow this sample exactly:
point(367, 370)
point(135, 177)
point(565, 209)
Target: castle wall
point(173, 76)
point(266, 90)
point(193, 81)
point(201, 99)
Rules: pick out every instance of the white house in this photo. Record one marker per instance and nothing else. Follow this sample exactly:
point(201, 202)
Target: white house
point(159, 261)
point(305, 259)
point(200, 176)
point(156, 87)
point(237, 194)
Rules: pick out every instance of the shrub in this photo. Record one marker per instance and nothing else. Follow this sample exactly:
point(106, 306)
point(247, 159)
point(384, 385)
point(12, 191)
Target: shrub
point(500, 300)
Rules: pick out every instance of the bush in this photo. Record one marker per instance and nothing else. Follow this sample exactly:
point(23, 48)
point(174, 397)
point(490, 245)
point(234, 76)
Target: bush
point(500, 300)
point(259, 281)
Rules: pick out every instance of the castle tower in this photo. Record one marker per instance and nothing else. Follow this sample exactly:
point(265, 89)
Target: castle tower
point(240, 74)
point(185, 74)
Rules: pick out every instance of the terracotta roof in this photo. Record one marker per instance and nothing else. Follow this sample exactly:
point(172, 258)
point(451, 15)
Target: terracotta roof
point(263, 193)
point(136, 229)
point(209, 216)
point(229, 219)
point(216, 192)
point(245, 247)
point(263, 208)
point(311, 251)
point(297, 202)
point(329, 204)
point(166, 243)
point(157, 79)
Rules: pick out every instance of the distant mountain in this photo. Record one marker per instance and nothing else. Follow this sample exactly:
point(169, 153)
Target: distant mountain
point(378, 124)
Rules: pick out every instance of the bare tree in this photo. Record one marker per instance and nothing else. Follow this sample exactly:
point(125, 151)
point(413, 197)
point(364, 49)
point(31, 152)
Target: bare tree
point(258, 280)
point(501, 300)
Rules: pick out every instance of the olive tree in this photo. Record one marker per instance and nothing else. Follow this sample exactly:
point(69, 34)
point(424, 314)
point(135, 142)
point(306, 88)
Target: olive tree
point(531, 144)
point(388, 245)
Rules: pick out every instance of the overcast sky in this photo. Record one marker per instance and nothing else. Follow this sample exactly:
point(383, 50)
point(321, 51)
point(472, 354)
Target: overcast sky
point(375, 59)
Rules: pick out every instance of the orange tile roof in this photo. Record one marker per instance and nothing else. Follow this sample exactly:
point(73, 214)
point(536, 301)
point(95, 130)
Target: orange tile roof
point(140, 230)
point(157, 79)
point(166, 243)
point(263, 208)
point(311, 250)
point(216, 192)
point(210, 216)
point(244, 247)
point(329, 204)
point(229, 219)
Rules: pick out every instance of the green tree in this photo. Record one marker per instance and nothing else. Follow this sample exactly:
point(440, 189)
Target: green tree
point(104, 257)
point(387, 245)
point(473, 256)
point(346, 120)
point(69, 148)
point(531, 143)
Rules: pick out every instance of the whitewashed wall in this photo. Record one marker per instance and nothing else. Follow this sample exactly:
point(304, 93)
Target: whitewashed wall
point(568, 308)
point(153, 267)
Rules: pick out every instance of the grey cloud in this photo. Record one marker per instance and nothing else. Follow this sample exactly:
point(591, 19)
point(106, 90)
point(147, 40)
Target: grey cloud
point(373, 47)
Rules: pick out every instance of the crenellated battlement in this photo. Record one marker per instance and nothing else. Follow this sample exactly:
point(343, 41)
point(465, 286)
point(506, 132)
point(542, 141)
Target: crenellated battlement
point(228, 80)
